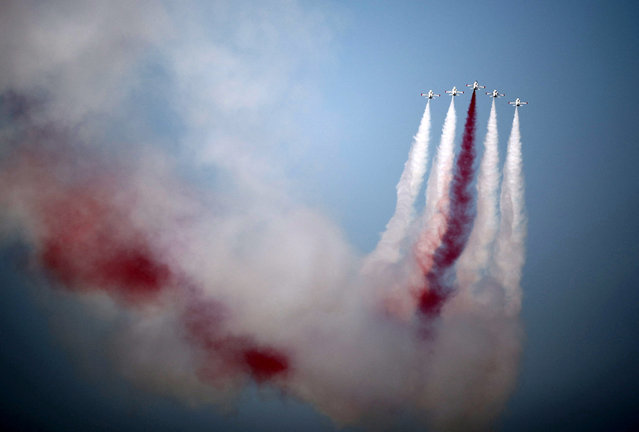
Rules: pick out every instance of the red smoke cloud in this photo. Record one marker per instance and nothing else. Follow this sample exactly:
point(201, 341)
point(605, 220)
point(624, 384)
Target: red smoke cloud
point(86, 240)
point(227, 354)
point(88, 243)
point(460, 217)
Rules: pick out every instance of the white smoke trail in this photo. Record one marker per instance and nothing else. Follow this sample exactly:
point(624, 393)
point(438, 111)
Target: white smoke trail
point(439, 179)
point(388, 249)
point(476, 256)
point(400, 295)
point(436, 209)
point(509, 248)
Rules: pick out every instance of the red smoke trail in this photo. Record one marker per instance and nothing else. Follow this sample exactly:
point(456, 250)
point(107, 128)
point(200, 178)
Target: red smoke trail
point(460, 218)
point(88, 243)
point(86, 240)
point(82, 228)
point(227, 354)
point(80, 219)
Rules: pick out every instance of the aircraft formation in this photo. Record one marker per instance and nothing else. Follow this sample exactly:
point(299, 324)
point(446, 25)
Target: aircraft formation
point(475, 85)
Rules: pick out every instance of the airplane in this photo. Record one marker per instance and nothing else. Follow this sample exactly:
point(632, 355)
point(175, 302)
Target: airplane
point(454, 91)
point(475, 85)
point(518, 102)
point(495, 94)
point(430, 94)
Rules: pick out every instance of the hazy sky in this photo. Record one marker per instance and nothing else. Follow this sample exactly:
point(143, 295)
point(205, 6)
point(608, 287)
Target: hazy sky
point(330, 91)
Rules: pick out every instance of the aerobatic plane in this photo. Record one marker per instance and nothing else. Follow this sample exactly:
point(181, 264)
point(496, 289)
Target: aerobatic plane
point(518, 102)
point(430, 94)
point(475, 85)
point(495, 94)
point(454, 91)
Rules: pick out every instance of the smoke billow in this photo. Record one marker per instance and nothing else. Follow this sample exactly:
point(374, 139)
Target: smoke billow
point(146, 187)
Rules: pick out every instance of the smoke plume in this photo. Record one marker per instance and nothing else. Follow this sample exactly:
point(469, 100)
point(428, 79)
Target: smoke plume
point(510, 246)
point(410, 183)
point(148, 191)
point(459, 222)
point(476, 256)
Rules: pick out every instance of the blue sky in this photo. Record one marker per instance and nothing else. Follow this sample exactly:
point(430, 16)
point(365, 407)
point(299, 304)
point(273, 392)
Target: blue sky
point(354, 107)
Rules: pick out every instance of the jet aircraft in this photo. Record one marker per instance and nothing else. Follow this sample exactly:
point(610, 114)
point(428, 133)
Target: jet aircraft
point(518, 102)
point(475, 85)
point(495, 94)
point(454, 91)
point(430, 94)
